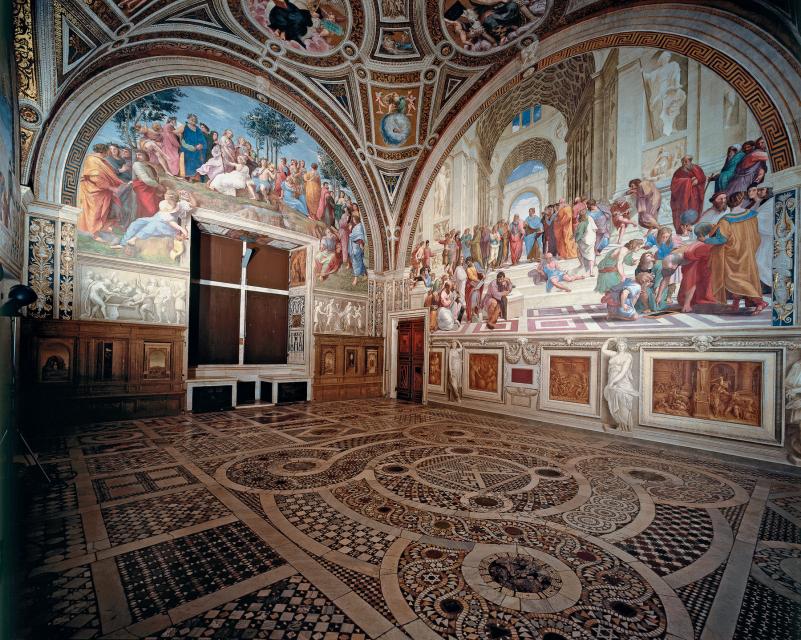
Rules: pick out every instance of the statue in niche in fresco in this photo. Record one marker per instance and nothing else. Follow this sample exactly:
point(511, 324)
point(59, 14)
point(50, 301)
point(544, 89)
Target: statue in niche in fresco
point(441, 189)
point(667, 98)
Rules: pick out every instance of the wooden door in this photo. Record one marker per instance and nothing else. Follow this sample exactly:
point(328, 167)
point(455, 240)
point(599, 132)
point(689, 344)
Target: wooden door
point(411, 351)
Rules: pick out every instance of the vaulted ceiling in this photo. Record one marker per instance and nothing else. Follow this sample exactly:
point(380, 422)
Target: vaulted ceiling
point(531, 149)
point(560, 86)
point(386, 47)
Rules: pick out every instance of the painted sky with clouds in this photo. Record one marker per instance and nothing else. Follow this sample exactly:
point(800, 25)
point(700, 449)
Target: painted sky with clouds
point(220, 110)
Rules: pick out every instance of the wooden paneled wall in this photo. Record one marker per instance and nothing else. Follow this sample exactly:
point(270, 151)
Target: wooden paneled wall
point(347, 367)
point(82, 371)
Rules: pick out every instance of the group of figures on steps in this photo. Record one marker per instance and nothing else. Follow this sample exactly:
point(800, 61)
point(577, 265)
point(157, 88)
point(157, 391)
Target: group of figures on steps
point(713, 257)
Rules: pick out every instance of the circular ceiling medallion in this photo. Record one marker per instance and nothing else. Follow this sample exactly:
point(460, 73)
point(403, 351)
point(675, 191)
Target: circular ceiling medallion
point(350, 50)
point(29, 114)
point(490, 26)
point(317, 29)
point(445, 50)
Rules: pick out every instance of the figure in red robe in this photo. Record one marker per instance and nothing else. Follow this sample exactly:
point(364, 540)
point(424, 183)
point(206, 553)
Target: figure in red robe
point(696, 283)
point(516, 239)
point(686, 190)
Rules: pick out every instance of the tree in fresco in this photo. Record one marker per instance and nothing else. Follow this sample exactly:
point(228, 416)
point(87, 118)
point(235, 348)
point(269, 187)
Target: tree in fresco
point(271, 130)
point(330, 171)
point(151, 108)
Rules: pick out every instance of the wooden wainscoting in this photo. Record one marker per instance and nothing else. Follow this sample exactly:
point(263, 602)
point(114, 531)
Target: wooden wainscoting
point(347, 367)
point(80, 371)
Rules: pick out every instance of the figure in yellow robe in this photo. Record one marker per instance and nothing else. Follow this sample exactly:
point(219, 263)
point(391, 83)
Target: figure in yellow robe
point(733, 265)
point(97, 191)
point(313, 191)
point(563, 228)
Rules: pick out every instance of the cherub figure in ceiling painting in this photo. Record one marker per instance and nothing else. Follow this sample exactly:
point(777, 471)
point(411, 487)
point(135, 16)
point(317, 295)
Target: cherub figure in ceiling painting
point(310, 25)
point(395, 108)
point(484, 25)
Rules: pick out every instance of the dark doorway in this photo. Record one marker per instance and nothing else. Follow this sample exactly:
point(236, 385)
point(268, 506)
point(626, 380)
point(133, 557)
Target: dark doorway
point(411, 351)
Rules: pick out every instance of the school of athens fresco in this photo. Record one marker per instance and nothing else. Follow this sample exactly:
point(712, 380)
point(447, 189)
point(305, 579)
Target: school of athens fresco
point(345, 520)
point(672, 223)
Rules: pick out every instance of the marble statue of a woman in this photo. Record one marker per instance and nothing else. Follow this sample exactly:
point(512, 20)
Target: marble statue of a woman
point(793, 392)
point(455, 371)
point(619, 391)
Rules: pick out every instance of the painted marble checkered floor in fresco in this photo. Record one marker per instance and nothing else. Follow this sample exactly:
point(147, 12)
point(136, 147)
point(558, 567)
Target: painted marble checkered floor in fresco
point(375, 519)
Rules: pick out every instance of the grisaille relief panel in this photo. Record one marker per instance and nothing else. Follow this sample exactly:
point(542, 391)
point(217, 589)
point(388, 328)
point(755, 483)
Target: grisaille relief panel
point(121, 295)
point(339, 315)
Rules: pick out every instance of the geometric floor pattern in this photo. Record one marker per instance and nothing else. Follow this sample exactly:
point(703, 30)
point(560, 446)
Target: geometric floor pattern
point(381, 519)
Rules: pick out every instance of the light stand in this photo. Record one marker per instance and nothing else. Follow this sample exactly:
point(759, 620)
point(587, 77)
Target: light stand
point(19, 297)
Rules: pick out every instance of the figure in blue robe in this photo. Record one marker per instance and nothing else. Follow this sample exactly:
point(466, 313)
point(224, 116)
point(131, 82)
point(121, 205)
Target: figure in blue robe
point(356, 243)
point(467, 239)
point(191, 137)
point(298, 204)
point(534, 230)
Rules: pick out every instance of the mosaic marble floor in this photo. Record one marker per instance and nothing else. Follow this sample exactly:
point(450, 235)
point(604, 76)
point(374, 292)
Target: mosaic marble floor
point(377, 519)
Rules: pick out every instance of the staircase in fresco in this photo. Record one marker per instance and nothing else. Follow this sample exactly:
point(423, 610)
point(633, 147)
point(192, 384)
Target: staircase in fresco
point(582, 292)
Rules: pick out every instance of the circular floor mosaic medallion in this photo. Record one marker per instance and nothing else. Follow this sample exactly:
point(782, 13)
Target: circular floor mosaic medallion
point(524, 574)
point(479, 473)
point(521, 578)
point(646, 476)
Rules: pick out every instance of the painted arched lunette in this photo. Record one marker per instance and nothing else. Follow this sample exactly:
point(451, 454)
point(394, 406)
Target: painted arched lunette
point(70, 131)
point(521, 191)
point(527, 150)
point(757, 67)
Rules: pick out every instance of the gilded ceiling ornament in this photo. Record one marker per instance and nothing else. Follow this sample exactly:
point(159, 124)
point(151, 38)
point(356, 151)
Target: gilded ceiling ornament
point(29, 114)
point(528, 58)
point(24, 52)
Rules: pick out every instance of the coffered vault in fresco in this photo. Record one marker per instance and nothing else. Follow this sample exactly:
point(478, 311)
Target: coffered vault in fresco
point(393, 81)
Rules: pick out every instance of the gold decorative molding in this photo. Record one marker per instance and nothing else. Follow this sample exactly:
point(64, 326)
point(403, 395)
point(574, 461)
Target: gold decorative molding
point(24, 53)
